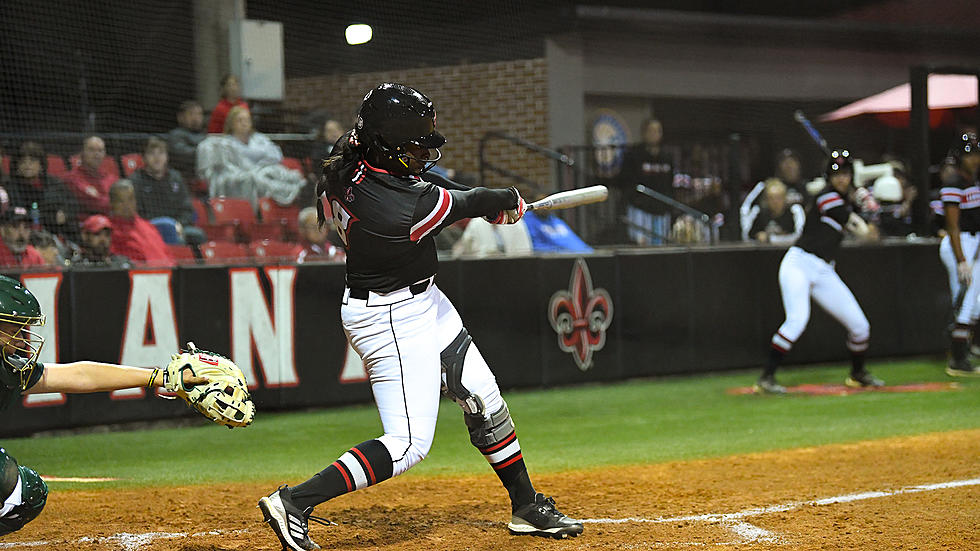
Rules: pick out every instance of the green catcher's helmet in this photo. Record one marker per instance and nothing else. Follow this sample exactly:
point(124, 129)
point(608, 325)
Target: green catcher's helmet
point(19, 311)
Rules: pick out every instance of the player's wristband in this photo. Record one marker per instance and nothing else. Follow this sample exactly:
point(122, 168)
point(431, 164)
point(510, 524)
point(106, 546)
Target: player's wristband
point(153, 378)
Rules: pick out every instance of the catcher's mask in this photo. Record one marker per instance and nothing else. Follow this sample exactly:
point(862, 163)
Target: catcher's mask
point(391, 117)
point(19, 346)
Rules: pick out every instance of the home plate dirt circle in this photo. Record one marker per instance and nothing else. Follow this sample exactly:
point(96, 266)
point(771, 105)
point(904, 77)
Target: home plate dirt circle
point(897, 493)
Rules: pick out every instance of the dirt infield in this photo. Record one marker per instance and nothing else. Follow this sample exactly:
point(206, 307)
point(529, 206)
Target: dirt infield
point(927, 490)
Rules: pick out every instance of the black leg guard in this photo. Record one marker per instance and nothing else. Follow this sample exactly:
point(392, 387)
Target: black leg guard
point(452, 375)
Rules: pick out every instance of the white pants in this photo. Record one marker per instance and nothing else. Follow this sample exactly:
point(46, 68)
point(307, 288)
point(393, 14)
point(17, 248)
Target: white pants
point(400, 337)
point(967, 310)
point(803, 275)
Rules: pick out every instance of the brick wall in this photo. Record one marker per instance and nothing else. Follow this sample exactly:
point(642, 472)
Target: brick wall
point(509, 96)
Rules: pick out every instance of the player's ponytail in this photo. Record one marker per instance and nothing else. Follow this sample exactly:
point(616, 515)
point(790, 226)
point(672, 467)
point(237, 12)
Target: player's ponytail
point(346, 152)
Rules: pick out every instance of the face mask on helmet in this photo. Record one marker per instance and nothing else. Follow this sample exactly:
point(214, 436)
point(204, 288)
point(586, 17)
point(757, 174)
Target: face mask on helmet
point(19, 345)
point(398, 122)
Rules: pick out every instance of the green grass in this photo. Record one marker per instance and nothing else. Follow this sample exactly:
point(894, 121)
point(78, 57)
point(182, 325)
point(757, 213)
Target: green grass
point(633, 422)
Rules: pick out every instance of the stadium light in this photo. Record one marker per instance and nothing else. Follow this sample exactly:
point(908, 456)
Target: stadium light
point(358, 33)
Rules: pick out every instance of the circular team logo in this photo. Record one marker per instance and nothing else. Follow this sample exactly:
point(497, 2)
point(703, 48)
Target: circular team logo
point(609, 136)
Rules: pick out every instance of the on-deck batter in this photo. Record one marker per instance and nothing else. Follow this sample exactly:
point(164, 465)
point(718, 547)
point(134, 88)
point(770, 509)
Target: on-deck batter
point(807, 270)
point(958, 251)
point(408, 334)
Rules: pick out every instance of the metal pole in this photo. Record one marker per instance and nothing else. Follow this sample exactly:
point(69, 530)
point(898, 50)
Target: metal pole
point(919, 155)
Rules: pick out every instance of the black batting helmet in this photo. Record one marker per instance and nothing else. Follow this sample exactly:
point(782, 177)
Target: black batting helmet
point(840, 160)
point(965, 145)
point(393, 115)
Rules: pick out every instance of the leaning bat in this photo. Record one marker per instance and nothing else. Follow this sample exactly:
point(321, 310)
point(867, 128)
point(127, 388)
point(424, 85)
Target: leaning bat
point(811, 131)
point(571, 198)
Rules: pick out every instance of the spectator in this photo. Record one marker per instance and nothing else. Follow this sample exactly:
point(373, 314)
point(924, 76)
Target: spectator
point(184, 139)
point(788, 170)
point(97, 245)
point(326, 137)
point(245, 163)
point(316, 241)
point(15, 249)
point(231, 96)
point(161, 196)
point(3, 172)
point(774, 221)
point(481, 239)
point(133, 236)
point(50, 250)
point(895, 214)
point(32, 185)
point(648, 164)
point(89, 182)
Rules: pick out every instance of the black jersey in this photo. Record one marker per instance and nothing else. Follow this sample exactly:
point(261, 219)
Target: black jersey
point(966, 195)
point(388, 222)
point(774, 226)
point(824, 227)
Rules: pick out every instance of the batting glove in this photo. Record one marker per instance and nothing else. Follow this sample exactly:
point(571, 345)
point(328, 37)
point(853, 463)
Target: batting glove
point(510, 216)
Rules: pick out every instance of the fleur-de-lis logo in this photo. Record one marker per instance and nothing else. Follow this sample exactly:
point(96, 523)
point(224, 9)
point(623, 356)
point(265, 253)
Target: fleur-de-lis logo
point(581, 316)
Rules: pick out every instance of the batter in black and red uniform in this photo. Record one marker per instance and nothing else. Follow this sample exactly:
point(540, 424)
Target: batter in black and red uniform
point(408, 334)
point(807, 271)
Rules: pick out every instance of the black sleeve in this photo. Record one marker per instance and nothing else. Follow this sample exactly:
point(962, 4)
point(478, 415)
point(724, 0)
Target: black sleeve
point(438, 207)
point(481, 201)
point(186, 216)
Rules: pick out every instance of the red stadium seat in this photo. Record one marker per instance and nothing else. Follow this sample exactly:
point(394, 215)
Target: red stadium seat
point(293, 163)
point(286, 218)
point(271, 250)
point(237, 214)
point(109, 164)
point(217, 252)
point(131, 162)
point(56, 166)
point(183, 254)
point(201, 211)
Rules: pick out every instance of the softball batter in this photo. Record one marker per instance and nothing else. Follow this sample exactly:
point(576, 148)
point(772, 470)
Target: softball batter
point(807, 271)
point(408, 334)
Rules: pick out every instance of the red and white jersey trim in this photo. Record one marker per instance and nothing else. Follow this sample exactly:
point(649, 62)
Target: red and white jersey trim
point(435, 217)
point(832, 223)
point(828, 201)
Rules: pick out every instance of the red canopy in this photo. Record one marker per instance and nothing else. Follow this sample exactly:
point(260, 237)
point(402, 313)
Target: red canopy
point(946, 93)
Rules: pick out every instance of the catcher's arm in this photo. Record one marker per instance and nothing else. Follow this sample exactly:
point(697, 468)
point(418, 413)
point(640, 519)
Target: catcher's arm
point(86, 376)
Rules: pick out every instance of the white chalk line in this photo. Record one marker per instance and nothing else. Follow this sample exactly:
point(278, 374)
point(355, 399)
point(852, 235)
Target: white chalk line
point(126, 541)
point(749, 533)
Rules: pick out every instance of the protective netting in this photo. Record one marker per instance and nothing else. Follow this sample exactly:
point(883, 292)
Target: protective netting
point(531, 94)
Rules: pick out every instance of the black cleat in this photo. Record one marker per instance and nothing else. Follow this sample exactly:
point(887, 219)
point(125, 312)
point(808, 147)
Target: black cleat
point(541, 518)
point(768, 385)
point(863, 379)
point(289, 523)
point(962, 368)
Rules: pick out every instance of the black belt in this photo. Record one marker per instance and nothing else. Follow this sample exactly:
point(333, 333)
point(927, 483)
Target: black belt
point(416, 289)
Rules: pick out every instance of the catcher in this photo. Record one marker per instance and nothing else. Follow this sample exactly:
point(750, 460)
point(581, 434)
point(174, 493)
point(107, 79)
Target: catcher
point(22, 492)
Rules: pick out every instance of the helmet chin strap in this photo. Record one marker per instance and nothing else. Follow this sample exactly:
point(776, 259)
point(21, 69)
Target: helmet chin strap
point(405, 160)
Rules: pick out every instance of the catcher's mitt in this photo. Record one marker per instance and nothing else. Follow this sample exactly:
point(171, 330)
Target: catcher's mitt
point(223, 399)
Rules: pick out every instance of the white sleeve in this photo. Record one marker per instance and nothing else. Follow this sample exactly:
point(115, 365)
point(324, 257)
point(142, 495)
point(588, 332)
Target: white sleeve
point(799, 219)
